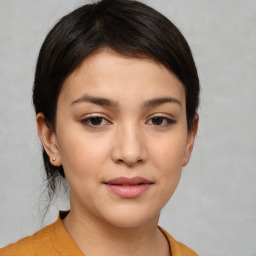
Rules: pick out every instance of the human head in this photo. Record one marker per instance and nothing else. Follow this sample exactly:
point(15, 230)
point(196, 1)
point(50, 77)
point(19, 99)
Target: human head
point(128, 27)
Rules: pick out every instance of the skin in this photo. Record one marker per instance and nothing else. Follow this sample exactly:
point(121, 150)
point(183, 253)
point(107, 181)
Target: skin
point(127, 141)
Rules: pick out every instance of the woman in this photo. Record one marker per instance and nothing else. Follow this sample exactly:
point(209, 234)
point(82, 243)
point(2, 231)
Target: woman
point(116, 94)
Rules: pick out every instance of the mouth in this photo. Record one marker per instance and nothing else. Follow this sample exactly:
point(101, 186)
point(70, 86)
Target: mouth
point(128, 187)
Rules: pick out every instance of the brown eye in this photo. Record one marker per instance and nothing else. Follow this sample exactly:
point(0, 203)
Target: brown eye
point(157, 120)
point(95, 120)
point(161, 121)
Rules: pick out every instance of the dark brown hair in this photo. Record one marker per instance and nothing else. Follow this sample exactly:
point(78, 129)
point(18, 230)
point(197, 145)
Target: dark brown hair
point(128, 27)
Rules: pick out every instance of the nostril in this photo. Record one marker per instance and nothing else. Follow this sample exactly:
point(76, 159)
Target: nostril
point(129, 149)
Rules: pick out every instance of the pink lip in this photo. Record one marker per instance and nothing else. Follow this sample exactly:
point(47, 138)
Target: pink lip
point(128, 187)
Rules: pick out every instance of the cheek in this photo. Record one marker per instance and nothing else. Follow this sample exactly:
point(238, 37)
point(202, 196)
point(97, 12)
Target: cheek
point(82, 158)
point(168, 153)
point(168, 156)
point(82, 154)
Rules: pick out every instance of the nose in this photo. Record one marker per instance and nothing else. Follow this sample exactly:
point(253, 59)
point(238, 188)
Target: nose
point(129, 146)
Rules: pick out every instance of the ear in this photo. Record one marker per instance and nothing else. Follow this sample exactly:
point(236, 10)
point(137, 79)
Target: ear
point(190, 140)
point(48, 139)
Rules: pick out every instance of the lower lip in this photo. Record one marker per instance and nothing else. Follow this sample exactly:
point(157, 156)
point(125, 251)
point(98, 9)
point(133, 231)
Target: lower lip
point(128, 191)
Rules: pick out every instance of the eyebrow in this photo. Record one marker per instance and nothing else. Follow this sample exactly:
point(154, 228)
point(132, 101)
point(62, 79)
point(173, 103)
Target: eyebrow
point(110, 103)
point(158, 101)
point(95, 100)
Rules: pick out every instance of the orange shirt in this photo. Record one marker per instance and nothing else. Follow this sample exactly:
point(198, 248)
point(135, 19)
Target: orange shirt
point(54, 240)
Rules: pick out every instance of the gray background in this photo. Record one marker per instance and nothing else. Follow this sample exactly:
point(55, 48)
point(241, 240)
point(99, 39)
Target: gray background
point(214, 208)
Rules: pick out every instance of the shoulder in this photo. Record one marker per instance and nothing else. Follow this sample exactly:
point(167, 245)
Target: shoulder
point(177, 248)
point(37, 244)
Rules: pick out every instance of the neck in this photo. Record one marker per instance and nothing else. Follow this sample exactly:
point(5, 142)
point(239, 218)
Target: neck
point(96, 237)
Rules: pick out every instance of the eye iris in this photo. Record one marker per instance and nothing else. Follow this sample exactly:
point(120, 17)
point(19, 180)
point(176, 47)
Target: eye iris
point(96, 120)
point(157, 120)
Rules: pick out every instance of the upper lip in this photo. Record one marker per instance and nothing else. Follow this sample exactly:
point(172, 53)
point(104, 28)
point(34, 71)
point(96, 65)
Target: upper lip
point(128, 181)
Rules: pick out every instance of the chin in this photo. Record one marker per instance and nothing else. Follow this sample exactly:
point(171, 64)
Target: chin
point(130, 217)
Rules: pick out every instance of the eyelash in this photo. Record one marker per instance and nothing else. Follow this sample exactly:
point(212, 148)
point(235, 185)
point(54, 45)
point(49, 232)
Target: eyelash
point(103, 121)
point(87, 121)
point(168, 121)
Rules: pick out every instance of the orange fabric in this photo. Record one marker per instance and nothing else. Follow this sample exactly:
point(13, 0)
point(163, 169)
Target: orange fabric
point(54, 240)
point(177, 248)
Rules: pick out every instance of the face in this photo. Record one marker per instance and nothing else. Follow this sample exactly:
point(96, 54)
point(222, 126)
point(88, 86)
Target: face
point(121, 136)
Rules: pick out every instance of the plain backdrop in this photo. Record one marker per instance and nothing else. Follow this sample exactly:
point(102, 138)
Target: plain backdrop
point(214, 208)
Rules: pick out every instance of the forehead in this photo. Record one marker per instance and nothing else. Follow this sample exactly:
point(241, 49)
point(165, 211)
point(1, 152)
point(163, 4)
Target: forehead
point(106, 73)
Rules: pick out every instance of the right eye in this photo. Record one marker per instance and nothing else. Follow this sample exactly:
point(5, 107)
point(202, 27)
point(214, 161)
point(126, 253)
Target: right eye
point(95, 121)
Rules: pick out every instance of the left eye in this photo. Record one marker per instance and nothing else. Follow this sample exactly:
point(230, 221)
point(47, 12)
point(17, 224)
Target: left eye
point(161, 121)
point(94, 121)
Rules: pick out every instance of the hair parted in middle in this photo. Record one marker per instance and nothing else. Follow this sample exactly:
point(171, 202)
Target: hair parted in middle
point(128, 27)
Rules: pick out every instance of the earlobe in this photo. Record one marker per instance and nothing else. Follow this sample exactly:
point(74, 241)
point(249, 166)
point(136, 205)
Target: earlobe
point(190, 141)
point(48, 139)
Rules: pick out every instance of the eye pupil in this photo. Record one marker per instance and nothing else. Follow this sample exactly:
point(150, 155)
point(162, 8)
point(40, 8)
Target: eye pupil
point(157, 120)
point(96, 120)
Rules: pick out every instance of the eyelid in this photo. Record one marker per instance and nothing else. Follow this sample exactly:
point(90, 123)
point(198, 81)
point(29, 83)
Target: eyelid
point(85, 119)
point(169, 120)
point(95, 114)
